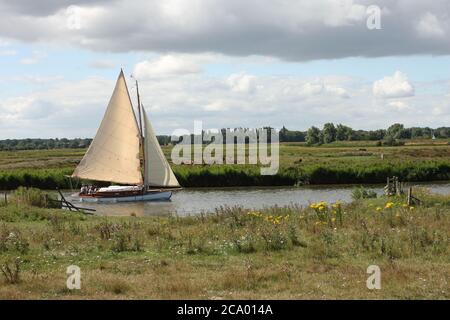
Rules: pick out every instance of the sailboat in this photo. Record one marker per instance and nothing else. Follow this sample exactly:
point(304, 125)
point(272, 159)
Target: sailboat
point(115, 155)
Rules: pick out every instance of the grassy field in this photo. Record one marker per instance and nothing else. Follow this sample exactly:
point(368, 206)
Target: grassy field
point(319, 252)
point(349, 162)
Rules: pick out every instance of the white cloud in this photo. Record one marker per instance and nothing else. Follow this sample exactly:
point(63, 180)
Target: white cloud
point(20, 108)
point(60, 109)
point(430, 27)
point(242, 82)
point(216, 106)
point(65, 108)
point(396, 86)
point(310, 88)
point(35, 57)
point(399, 105)
point(167, 65)
point(318, 87)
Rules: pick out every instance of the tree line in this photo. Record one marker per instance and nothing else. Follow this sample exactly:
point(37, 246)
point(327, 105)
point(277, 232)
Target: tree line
point(393, 135)
point(330, 132)
point(42, 144)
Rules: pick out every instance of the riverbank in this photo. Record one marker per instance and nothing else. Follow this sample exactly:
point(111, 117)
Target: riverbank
point(194, 201)
point(280, 252)
point(46, 169)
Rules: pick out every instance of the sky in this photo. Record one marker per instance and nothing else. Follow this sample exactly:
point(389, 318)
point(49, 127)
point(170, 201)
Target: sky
point(227, 63)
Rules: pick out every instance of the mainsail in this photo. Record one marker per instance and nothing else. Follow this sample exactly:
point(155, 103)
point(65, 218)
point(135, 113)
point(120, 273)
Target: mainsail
point(157, 171)
point(114, 153)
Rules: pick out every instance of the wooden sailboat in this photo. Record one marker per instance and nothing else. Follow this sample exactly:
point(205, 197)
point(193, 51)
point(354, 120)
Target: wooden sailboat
point(115, 156)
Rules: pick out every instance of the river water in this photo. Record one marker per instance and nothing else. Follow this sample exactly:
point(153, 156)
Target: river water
point(195, 201)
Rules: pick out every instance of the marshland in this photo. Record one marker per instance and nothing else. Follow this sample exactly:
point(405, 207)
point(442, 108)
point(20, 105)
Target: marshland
point(317, 251)
point(353, 162)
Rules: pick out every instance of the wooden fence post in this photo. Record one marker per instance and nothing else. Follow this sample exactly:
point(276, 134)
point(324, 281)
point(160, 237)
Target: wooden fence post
point(408, 201)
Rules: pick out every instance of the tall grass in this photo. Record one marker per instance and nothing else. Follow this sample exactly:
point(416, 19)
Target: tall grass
point(38, 178)
point(246, 175)
point(227, 175)
point(236, 252)
point(34, 197)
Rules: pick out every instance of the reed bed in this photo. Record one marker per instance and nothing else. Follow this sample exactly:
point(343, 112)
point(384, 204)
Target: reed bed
point(246, 175)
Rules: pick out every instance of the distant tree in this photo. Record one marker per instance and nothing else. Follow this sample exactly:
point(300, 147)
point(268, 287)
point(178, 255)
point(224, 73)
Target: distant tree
point(427, 132)
point(343, 133)
point(376, 135)
point(291, 136)
point(416, 133)
point(313, 136)
point(329, 133)
point(392, 136)
point(395, 131)
point(405, 134)
point(442, 133)
point(283, 134)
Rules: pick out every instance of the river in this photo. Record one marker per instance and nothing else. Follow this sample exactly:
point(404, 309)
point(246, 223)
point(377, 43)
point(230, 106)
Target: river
point(195, 201)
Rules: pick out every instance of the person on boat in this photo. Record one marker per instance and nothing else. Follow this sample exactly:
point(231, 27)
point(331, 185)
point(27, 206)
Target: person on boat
point(84, 189)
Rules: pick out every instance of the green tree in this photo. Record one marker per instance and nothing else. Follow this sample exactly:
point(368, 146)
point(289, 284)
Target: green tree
point(416, 132)
point(313, 136)
point(442, 133)
point(395, 131)
point(343, 133)
point(329, 133)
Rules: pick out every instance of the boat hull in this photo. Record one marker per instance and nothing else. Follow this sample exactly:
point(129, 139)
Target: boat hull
point(150, 196)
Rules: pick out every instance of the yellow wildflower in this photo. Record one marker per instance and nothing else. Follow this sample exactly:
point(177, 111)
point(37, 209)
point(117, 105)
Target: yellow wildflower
point(337, 204)
point(389, 205)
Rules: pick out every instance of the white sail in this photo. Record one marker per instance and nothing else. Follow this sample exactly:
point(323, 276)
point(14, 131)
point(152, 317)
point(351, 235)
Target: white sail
point(114, 153)
point(157, 170)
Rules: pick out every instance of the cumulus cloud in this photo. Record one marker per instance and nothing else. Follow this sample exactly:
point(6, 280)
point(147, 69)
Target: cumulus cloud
point(174, 102)
point(36, 113)
point(318, 87)
point(291, 30)
point(216, 106)
point(167, 65)
point(399, 105)
point(396, 86)
point(242, 82)
point(27, 108)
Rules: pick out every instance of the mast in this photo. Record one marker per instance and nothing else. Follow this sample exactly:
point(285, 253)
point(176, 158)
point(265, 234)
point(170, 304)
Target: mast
point(139, 109)
point(141, 132)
